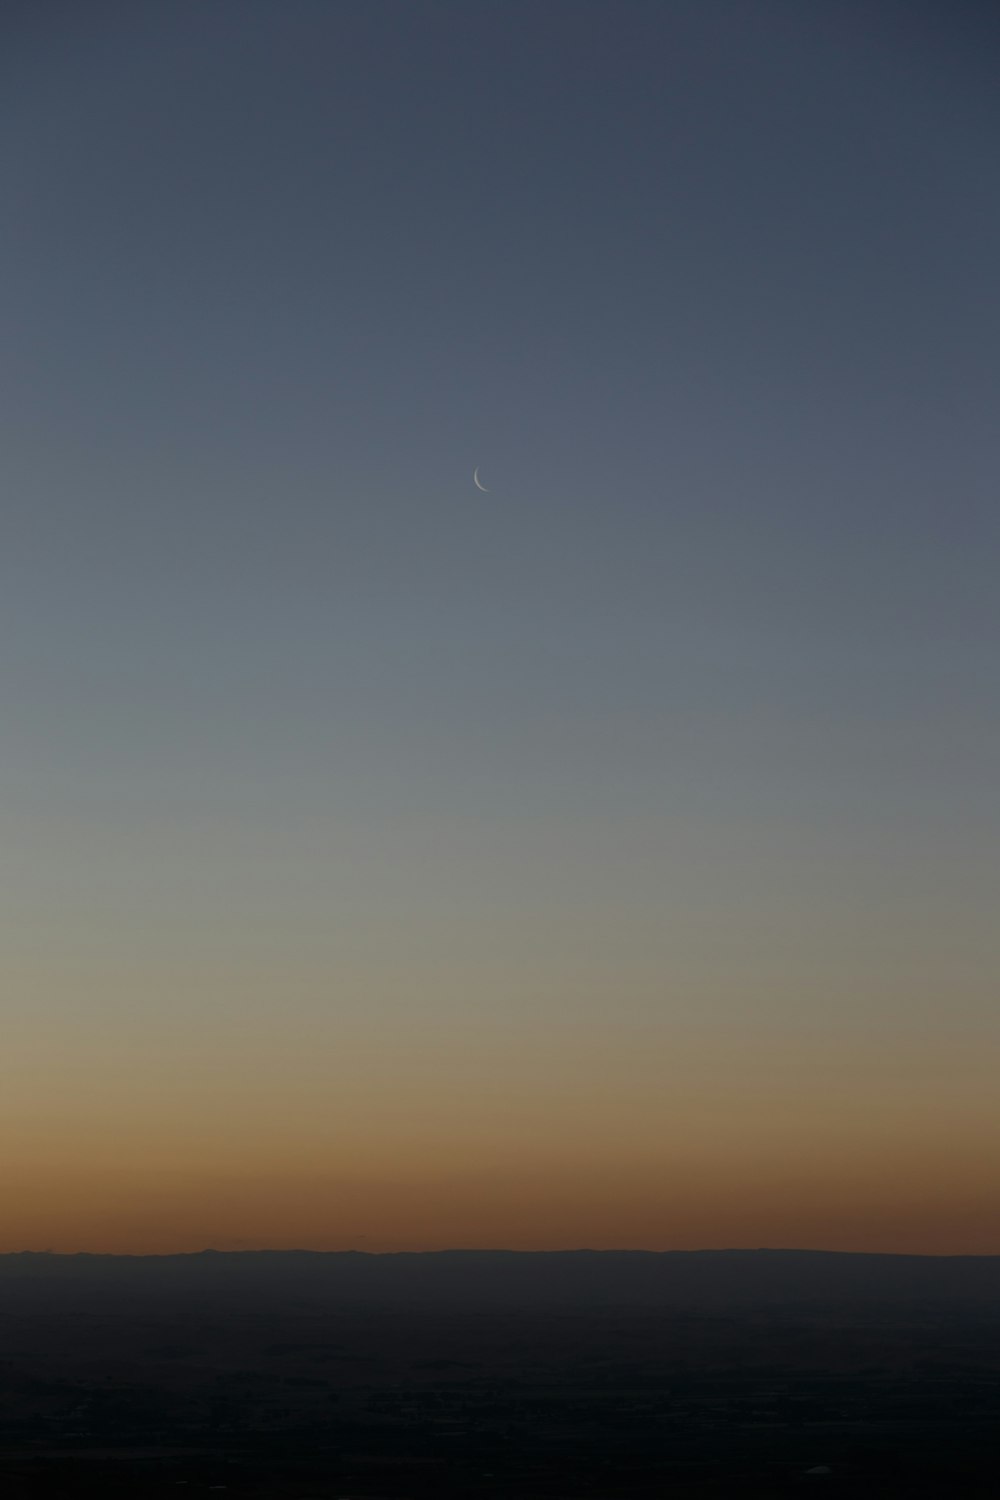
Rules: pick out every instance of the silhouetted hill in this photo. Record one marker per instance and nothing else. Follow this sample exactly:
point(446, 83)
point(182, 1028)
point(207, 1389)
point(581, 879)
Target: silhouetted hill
point(467, 1374)
point(490, 1280)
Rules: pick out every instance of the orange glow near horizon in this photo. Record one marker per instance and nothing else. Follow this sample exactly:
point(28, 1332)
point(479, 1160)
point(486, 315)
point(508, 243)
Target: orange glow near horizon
point(703, 1145)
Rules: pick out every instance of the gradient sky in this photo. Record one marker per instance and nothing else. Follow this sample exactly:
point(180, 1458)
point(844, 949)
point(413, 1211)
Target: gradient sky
point(610, 859)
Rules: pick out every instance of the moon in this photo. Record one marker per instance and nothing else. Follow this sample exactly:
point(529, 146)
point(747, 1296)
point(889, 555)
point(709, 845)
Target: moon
point(475, 480)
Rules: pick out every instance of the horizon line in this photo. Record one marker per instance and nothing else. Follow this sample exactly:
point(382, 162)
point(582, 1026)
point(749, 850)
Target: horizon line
point(50, 1254)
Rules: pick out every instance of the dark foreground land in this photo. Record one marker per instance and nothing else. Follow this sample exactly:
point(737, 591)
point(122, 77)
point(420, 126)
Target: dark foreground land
point(309, 1377)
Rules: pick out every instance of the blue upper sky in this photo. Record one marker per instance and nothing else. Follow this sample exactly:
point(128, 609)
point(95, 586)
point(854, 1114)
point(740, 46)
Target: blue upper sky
point(708, 291)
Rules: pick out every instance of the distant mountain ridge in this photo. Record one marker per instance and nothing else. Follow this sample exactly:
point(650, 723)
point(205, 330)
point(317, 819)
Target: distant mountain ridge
point(673, 1280)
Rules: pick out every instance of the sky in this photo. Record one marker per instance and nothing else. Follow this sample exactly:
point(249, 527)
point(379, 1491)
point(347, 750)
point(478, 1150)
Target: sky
point(609, 859)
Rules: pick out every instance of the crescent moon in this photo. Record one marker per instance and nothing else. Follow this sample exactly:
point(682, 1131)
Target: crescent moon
point(475, 480)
